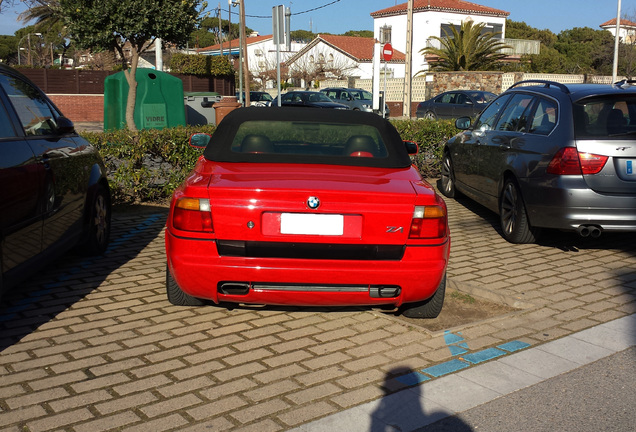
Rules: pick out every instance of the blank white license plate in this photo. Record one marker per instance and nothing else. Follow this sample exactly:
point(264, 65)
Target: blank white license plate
point(311, 224)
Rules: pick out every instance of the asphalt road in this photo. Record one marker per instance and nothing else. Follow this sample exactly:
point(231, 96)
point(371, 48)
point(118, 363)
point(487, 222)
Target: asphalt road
point(597, 397)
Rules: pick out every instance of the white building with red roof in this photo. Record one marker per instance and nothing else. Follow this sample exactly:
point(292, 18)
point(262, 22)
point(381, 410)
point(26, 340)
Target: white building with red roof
point(627, 29)
point(341, 57)
point(432, 18)
point(261, 54)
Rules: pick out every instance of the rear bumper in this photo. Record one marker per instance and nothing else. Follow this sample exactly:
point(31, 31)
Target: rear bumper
point(200, 271)
point(568, 203)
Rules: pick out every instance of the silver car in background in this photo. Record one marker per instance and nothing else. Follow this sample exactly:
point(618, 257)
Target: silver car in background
point(548, 155)
point(354, 98)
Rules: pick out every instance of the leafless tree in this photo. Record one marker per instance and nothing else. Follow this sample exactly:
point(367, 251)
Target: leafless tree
point(627, 48)
point(262, 69)
point(317, 65)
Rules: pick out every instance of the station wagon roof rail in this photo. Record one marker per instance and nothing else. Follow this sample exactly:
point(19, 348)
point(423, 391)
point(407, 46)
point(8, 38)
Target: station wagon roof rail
point(547, 84)
point(624, 83)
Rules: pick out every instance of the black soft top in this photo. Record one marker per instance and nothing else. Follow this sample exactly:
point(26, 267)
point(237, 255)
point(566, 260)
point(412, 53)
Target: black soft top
point(295, 122)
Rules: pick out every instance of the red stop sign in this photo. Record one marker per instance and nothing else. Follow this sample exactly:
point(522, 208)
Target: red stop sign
point(387, 52)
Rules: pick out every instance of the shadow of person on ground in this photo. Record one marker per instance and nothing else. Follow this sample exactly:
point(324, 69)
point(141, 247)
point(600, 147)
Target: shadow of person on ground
point(408, 410)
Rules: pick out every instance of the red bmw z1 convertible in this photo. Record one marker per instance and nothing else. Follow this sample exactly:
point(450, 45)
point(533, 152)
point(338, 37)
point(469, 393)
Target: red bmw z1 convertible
point(307, 207)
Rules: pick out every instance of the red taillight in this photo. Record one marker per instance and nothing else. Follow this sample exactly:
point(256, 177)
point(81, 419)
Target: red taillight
point(568, 161)
point(428, 222)
point(192, 214)
point(592, 163)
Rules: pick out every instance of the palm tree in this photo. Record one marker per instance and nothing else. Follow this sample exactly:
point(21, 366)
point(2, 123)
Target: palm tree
point(468, 49)
point(46, 13)
point(48, 19)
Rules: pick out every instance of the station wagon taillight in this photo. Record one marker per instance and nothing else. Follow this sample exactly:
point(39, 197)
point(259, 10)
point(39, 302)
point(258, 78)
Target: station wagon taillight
point(569, 161)
point(192, 214)
point(428, 222)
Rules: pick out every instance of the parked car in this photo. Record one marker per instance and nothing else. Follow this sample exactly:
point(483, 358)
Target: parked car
point(454, 104)
point(309, 99)
point(548, 155)
point(356, 99)
point(257, 98)
point(54, 193)
point(307, 207)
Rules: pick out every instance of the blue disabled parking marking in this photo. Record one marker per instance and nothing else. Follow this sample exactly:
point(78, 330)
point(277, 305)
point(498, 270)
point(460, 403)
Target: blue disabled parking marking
point(513, 346)
point(457, 350)
point(412, 378)
point(451, 338)
point(455, 343)
point(484, 355)
point(446, 368)
point(458, 347)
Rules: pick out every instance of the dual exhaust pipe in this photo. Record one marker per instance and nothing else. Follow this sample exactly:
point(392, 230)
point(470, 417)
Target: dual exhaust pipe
point(589, 231)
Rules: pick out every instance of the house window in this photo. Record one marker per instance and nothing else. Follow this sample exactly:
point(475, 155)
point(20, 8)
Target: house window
point(385, 34)
point(321, 58)
point(311, 59)
point(330, 59)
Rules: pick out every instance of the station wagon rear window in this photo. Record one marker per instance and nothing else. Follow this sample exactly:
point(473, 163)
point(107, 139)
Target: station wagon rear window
point(605, 117)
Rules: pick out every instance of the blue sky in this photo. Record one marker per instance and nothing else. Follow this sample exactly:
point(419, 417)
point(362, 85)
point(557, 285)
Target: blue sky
point(343, 15)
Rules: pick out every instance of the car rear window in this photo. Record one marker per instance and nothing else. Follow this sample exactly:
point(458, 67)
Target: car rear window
point(605, 117)
point(307, 136)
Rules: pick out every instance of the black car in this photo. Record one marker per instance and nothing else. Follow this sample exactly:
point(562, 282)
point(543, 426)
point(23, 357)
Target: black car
point(307, 99)
point(54, 193)
point(454, 104)
point(550, 155)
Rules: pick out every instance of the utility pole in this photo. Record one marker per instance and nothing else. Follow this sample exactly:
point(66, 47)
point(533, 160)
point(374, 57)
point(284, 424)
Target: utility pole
point(229, 30)
point(406, 109)
point(241, 90)
point(246, 70)
point(220, 30)
point(616, 43)
point(29, 50)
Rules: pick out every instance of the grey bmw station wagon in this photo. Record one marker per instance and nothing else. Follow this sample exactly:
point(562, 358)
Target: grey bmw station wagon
point(549, 155)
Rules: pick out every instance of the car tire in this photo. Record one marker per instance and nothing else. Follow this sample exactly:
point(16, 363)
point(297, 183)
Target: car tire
point(447, 177)
point(99, 223)
point(513, 217)
point(430, 115)
point(176, 296)
point(429, 308)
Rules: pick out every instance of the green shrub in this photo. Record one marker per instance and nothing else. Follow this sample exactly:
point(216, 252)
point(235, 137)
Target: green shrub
point(430, 135)
point(201, 65)
point(148, 165)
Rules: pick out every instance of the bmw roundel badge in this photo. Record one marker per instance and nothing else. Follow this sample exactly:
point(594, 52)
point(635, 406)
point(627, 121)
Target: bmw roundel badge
point(313, 202)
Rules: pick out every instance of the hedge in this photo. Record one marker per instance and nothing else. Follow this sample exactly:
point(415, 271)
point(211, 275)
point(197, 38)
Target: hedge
point(148, 165)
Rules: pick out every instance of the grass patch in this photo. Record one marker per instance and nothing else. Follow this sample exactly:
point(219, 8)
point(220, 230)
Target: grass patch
point(463, 297)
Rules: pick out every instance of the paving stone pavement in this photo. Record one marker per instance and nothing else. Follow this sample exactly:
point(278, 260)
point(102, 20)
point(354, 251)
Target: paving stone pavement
point(92, 344)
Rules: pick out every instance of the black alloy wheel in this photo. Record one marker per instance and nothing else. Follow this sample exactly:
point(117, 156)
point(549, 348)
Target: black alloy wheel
point(513, 216)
